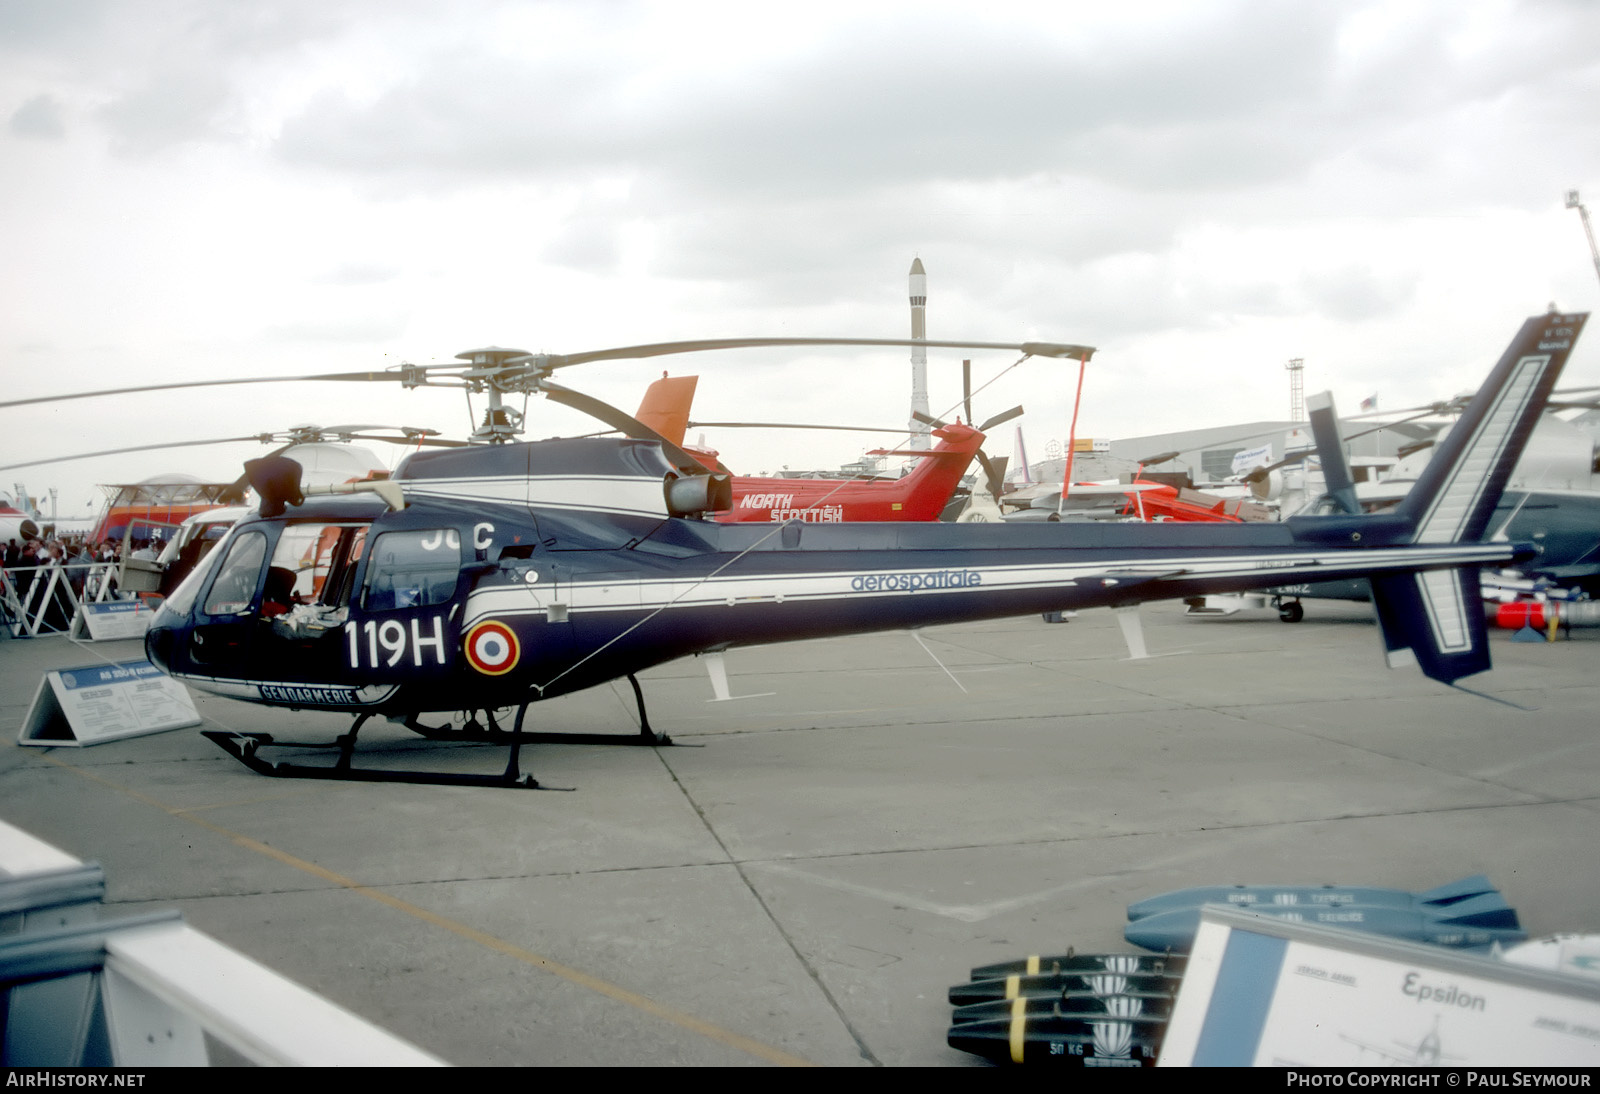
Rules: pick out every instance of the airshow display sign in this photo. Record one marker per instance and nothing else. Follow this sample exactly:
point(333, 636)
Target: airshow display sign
point(112, 619)
point(1267, 992)
point(98, 703)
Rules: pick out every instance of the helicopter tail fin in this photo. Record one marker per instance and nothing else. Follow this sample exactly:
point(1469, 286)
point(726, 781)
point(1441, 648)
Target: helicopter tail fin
point(666, 405)
point(1435, 618)
point(1456, 494)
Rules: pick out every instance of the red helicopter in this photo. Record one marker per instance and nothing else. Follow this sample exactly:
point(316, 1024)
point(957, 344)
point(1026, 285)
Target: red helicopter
point(921, 495)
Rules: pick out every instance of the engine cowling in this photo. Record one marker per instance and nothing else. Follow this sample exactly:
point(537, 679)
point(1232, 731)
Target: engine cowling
point(691, 495)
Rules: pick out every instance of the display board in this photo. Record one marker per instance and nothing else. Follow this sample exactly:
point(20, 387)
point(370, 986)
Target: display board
point(112, 619)
point(1267, 992)
point(99, 703)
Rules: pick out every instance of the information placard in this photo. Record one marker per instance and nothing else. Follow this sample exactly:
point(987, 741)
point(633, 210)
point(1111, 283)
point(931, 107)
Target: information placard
point(112, 619)
point(99, 703)
point(1267, 992)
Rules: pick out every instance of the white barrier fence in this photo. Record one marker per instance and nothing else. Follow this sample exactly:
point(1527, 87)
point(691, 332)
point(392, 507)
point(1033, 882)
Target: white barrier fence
point(87, 985)
point(37, 600)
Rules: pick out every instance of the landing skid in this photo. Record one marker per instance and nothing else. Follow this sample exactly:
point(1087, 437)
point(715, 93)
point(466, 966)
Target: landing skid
point(474, 731)
point(246, 748)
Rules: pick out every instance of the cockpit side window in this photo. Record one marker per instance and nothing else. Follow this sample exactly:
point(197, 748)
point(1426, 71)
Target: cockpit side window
point(412, 569)
point(182, 598)
point(314, 562)
point(235, 586)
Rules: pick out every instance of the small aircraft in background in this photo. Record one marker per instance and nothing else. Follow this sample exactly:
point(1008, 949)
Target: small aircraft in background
point(1153, 500)
point(1141, 499)
point(16, 523)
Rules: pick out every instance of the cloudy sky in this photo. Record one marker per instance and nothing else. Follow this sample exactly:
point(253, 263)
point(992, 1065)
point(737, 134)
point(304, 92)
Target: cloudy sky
point(1202, 190)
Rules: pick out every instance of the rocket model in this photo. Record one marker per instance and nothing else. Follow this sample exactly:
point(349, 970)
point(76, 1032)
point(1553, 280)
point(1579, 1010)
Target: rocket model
point(919, 355)
point(1077, 1010)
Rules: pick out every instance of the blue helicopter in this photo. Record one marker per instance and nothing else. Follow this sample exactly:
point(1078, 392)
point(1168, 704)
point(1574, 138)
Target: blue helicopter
point(489, 577)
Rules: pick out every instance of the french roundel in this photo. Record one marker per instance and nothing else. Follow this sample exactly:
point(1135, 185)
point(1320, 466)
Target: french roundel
point(492, 648)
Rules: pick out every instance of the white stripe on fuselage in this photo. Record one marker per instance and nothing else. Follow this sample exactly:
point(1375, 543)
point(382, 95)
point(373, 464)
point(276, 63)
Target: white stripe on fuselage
point(631, 494)
point(612, 594)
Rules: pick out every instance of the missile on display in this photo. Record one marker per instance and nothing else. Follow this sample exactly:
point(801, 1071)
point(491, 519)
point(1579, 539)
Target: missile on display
point(1478, 921)
point(1330, 896)
point(1083, 963)
point(1085, 1005)
point(1132, 1041)
point(1018, 987)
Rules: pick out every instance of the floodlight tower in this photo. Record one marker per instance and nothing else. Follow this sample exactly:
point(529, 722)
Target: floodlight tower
point(1297, 389)
point(919, 354)
point(1574, 203)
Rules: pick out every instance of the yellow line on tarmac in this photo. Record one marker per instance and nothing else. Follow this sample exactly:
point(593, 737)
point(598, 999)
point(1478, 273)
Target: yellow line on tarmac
point(528, 957)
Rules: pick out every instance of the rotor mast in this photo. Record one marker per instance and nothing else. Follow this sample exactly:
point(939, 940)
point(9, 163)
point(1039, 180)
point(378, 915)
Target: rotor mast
point(490, 371)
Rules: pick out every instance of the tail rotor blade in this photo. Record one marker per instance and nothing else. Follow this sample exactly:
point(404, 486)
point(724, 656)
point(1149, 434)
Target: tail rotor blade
point(1001, 418)
point(994, 471)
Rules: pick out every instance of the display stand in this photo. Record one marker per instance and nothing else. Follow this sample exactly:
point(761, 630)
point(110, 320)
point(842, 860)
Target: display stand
point(1268, 992)
point(97, 703)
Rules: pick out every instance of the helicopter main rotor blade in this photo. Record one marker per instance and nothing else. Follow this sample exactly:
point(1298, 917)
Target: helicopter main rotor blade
point(623, 422)
point(1158, 458)
point(421, 441)
point(661, 349)
point(416, 375)
point(392, 377)
point(348, 427)
point(795, 425)
point(424, 437)
point(261, 437)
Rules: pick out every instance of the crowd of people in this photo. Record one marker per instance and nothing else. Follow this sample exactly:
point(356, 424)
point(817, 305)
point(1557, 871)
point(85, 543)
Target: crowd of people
point(33, 560)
